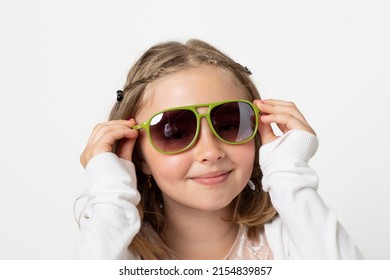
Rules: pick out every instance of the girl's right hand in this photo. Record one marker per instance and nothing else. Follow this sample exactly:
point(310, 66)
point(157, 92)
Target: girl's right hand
point(105, 135)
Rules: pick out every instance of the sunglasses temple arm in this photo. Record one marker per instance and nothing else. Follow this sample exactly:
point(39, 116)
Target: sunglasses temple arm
point(257, 110)
point(138, 126)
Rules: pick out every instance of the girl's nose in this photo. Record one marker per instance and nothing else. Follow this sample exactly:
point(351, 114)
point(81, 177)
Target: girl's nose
point(208, 147)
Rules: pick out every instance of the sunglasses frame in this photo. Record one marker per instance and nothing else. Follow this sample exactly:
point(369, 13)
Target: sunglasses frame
point(193, 108)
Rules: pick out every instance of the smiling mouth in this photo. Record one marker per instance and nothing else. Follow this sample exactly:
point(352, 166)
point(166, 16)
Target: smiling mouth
point(212, 179)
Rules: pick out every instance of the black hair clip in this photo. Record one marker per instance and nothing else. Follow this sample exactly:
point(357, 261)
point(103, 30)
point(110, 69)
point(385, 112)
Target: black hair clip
point(247, 70)
point(119, 95)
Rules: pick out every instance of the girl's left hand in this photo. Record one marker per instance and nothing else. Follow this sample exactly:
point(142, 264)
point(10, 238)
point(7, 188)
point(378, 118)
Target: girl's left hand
point(286, 116)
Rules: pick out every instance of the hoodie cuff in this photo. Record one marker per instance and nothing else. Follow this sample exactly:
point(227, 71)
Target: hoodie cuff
point(297, 144)
point(108, 166)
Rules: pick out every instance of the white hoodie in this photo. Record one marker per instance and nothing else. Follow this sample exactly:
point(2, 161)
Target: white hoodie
point(304, 229)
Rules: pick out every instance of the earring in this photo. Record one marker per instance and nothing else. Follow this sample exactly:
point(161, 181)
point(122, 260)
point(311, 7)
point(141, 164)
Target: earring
point(251, 185)
point(150, 181)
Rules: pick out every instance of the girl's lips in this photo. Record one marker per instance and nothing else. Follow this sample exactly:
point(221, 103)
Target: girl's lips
point(212, 179)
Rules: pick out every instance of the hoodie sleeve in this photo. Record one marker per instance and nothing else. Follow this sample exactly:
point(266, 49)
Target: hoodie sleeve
point(309, 229)
point(110, 219)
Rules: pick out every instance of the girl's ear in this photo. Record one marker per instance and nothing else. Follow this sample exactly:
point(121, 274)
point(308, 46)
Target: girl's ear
point(145, 168)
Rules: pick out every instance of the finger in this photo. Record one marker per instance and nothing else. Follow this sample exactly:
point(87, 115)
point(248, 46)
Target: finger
point(102, 126)
point(114, 134)
point(272, 106)
point(105, 128)
point(126, 146)
point(265, 130)
point(286, 122)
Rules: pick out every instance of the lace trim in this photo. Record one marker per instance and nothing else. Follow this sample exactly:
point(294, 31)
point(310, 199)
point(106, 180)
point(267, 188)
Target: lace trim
point(247, 249)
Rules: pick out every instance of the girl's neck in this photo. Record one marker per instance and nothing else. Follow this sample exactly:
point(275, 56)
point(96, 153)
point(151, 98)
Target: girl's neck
point(199, 234)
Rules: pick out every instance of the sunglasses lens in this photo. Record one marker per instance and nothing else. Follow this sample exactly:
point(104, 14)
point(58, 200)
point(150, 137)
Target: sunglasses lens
point(173, 130)
point(234, 121)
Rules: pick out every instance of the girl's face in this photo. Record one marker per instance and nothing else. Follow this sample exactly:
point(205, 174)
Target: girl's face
point(211, 174)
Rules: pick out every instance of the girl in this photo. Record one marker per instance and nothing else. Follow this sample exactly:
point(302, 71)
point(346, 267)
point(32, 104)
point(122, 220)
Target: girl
point(188, 167)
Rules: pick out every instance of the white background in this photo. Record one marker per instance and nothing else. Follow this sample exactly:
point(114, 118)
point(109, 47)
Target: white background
point(62, 61)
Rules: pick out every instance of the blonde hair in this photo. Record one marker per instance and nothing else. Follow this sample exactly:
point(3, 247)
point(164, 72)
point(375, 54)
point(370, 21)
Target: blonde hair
point(252, 208)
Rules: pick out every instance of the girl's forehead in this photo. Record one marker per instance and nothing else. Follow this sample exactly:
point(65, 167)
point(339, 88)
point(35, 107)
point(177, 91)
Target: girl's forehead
point(192, 86)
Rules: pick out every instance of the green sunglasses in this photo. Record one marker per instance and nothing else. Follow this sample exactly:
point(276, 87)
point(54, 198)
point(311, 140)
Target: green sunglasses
point(175, 130)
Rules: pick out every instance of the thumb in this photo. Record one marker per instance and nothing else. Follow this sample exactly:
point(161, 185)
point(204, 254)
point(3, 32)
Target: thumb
point(126, 144)
point(266, 132)
point(126, 147)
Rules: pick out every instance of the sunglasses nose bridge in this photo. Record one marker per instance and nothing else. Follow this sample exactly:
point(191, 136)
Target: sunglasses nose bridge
point(209, 124)
point(205, 115)
point(200, 116)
